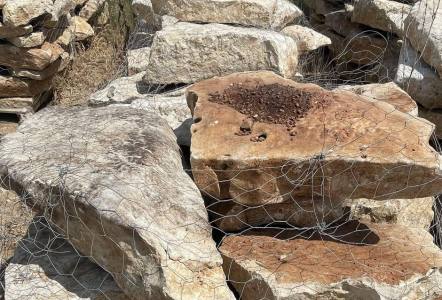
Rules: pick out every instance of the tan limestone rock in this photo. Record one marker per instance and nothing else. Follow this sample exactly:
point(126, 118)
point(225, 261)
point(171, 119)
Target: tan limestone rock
point(347, 261)
point(17, 87)
point(306, 38)
point(357, 148)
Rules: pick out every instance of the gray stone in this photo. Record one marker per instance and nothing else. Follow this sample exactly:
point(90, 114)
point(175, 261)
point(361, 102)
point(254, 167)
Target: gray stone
point(418, 79)
point(45, 266)
point(306, 38)
point(111, 180)
point(215, 50)
point(423, 28)
point(138, 60)
point(269, 14)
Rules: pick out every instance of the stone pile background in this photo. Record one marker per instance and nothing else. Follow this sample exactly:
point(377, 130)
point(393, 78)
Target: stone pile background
point(147, 191)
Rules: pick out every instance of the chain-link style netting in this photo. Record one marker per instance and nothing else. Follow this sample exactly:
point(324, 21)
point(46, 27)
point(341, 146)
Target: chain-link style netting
point(101, 203)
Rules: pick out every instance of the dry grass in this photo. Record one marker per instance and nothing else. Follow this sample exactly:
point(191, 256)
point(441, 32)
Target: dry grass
point(93, 66)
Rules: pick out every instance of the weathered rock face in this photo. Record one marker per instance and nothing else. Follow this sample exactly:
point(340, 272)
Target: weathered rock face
point(306, 38)
point(418, 78)
point(414, 213)
point(171, 106)
point(387, 92)
point(269, 14)
point(435, 117)
point(21, 12)
point(16, 87)
point(33, 58)
point(254, 160)
point(81, 28)
point(45, 266)
point(90, 8)
point(424, 29)
point(28, 41)
point(351, 262)
point(186, 53)
point(10, 32)
point(117, 191)
point(138, 60)
point(386, 15)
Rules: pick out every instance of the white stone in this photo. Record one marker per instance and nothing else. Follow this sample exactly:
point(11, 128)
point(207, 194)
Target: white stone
point(138, 60)
point(186, 53)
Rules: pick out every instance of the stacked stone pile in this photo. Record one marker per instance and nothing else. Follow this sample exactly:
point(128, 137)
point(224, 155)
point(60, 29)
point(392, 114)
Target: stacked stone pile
point(35, 38)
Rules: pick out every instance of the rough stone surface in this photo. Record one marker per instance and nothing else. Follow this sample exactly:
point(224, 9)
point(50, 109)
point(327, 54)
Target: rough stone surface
point(33, 58)
point(186, 53)
point(358, 148)
point(350, 261)
point(21, 12)
point(385, 15)
point(171, 106)
point(306, 38)
point(118, 192)
point(17, 87)
point(387, 92)
point(414, 213)
point(31, 40)
point(418, 79)
point(138, 60)
point(45, 266)
point(81, 29)
point(53, 68)
point(90, 8)
point(423, 29)
point(269, 14)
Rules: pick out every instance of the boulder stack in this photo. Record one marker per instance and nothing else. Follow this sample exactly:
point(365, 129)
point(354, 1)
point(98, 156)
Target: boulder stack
point(34, 45)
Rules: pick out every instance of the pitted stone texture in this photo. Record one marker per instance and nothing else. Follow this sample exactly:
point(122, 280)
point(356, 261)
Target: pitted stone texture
point(357, 148)
point(423, 28)
point(45, 266)
point(349, 261)
point(269, 14)
point(186, 53)
point(111, 180)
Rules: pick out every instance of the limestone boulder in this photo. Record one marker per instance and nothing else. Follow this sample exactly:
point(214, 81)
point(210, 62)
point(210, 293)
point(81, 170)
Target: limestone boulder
point(387, 92)
point(23, 105)
point(306, 38)
point(357, 148)
point(32, 58)
point(414, 213)
point(81, 29)
point(346, 261)
point(53, 68)
point(268, 14)
point(129, 91)
point(91, 8)
point(186, 53)
point(34, 39)
point(46, 266)
point(423, 29)
point(21, 12)
point(17, 87)
point(110, 179)
point(418, 79)
point(386, 15)
point(138, 60)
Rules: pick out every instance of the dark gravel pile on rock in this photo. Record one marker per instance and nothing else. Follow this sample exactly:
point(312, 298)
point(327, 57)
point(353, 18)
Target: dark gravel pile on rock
point(273, 103)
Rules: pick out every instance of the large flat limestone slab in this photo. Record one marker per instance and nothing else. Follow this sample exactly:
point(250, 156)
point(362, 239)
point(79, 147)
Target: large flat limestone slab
point(186, 53)
point(110, 179)
point(352, 148)
point(349, 261)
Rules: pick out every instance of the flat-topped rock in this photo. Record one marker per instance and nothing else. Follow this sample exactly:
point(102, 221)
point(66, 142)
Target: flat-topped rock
point(259, 139)
point(269, 14)
point(386, 15)
point(215, 50)
point(306, 38)
point(45, 266)
point(387, 92)
point(10, 31)
point(119, 194)
point(23, 105)
point(349, 261)
point(32, 58)
point(424, 29)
